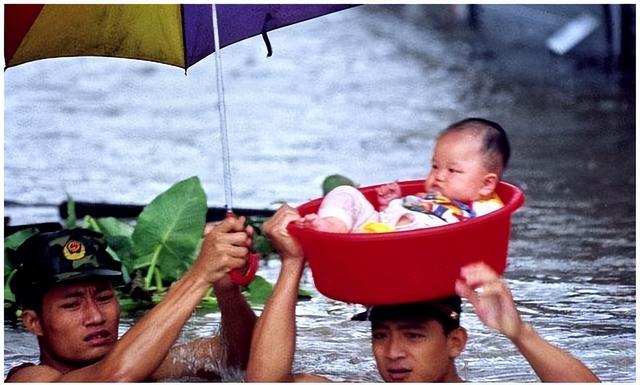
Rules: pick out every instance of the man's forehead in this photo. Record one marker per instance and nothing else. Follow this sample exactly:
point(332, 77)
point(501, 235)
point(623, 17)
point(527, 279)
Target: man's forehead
point(94, 285)
point(401, 324)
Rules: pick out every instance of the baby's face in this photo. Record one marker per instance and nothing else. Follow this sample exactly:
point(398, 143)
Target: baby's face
point(458, 167)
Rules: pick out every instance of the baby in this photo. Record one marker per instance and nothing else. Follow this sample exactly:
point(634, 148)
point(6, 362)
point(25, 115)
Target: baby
point(468, 161)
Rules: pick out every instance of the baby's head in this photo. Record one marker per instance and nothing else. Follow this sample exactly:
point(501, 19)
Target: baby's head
point(468, 160)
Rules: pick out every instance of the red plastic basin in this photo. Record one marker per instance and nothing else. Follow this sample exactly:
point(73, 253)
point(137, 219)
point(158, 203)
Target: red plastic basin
point(405, 266)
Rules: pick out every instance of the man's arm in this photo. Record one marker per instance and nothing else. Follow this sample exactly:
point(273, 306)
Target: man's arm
point(274, 338)
point(493, 302)
point(238, 322)
point(144, 347)
point(229, 350)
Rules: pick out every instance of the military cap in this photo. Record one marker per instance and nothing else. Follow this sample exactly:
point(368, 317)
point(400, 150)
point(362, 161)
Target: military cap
point(62, 256)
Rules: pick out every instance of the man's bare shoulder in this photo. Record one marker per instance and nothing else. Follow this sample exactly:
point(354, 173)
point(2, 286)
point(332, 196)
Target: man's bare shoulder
point(33, 373)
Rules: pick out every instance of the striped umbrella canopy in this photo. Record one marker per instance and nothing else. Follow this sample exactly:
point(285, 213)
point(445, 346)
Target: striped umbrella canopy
point(174, 34)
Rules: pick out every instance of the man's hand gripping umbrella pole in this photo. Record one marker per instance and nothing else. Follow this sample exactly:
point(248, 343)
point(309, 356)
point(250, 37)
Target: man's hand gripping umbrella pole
point(244, 275)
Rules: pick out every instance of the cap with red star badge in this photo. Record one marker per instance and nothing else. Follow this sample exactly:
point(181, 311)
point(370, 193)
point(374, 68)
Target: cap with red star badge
point(62, 256)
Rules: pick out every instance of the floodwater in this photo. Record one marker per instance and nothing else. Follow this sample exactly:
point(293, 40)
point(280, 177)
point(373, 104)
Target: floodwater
point(363, 93)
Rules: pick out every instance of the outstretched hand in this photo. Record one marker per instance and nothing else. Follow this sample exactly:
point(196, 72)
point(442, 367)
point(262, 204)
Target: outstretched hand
point(491, 298)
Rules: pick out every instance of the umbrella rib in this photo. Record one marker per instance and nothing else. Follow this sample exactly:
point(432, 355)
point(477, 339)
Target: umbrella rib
point(184, 39)
point(267, 18)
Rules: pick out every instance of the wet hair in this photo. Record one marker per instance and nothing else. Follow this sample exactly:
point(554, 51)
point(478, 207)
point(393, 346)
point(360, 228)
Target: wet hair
point(445, 311)
point(32, 300)
point(495, 143)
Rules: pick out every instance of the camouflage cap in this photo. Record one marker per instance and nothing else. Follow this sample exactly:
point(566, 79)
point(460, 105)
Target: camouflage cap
point(62, 256)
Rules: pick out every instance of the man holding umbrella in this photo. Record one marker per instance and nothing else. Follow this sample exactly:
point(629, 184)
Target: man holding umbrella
point(65, 284)
point(416, 342)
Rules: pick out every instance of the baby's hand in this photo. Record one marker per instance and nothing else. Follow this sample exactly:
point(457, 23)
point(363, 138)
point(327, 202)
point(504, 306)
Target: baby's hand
point(387, 193)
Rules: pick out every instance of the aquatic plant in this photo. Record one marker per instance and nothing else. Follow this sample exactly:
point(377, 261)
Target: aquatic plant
point(335, 180)
point(156, 249)
point(11, 243)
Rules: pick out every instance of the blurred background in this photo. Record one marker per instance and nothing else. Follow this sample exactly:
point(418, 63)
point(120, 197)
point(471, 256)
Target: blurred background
point(363, 93)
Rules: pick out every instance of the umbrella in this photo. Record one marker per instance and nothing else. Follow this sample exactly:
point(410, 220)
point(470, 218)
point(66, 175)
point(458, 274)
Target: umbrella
point(173, 34)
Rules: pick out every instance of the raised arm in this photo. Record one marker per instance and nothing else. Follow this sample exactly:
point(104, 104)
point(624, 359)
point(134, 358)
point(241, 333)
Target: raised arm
point(229, 351)
point(492, 300)
point(238, 321)
point(141, 351)
point(274, 338)
point(145, 346)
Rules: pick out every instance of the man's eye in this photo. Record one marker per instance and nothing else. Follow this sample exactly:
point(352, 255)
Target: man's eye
point(71, 305)
point(105, 297)
point(377, 336)
point(414, 335)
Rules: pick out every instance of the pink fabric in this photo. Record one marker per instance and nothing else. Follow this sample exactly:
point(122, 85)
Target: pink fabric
point(350, 206)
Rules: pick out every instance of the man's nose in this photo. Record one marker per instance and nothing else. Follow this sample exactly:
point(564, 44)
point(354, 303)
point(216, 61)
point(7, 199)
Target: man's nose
point(395, 348)
point(94, 314)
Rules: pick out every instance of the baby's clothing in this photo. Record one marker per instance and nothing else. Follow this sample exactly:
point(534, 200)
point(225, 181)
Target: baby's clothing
point(450, 210)
point(425, 210)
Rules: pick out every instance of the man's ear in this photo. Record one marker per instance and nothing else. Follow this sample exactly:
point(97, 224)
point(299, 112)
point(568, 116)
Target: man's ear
point(31, 322)
point(456, 341)
point(489, 184)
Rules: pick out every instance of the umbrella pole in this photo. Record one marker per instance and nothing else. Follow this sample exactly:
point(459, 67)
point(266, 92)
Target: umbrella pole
point(222, 113)
point(240, 276)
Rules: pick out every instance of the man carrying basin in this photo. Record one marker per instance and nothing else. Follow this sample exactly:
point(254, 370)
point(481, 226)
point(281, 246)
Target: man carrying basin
point(417, 342)
point(65, 283)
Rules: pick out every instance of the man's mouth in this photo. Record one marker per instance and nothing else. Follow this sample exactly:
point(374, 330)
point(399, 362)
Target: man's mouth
point(99, 338)
point(398, 374)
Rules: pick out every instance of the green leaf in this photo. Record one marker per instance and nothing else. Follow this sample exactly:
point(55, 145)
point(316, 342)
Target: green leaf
point(11, 243)
point(262, 245)
point(333, 181)
point(14, 240)
point(118, 236)
point(71, 212)
point(131, 305)
point(8, 268)
point(8, 294)
point(169, 230)
point(304, 294)
point(112, 227)
point(209, 303)
point(259, 290)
